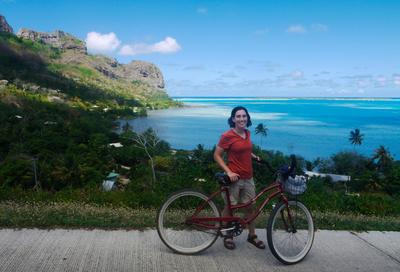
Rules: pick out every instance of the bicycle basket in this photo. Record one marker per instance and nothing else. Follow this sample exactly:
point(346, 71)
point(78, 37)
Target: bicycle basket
point(296, 185)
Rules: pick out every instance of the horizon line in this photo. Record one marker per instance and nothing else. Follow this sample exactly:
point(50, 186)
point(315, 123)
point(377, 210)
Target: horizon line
point(293, 97)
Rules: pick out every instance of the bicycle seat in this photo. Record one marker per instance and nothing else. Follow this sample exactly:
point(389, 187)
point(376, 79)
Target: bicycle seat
point(223, 179)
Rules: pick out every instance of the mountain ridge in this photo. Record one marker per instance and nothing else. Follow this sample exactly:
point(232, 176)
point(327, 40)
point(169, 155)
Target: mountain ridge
point(74, 51)
point(59, 61)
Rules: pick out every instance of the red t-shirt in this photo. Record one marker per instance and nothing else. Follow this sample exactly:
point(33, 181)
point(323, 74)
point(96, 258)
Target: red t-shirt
point(239, 153)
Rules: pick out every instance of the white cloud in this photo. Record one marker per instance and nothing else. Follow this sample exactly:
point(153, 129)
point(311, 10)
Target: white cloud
point(261, 32)
point(193, 67)
point(229, 75)
point(97, 42)
point(380, 81)
point(297, 75)
point(330, 84)
point(396, 80)
point(202, 10)
point(319, 27)
point(168, 45)
point(363, 83)
point(298, 29)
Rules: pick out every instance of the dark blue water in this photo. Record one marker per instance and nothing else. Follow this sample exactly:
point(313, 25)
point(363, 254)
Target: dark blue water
point(308, 127)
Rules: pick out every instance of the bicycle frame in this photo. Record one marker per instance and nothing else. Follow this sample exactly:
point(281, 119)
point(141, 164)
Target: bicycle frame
point(202, 221)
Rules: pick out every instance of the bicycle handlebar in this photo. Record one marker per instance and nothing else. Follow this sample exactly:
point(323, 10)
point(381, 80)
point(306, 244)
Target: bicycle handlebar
point(224, 180)
point(284, 169)
point(270, 168)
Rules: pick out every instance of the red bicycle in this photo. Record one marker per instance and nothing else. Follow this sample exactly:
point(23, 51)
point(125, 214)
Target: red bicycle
point(190, 222)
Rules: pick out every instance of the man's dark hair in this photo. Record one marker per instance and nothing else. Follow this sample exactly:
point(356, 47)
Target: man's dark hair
point(233, 113)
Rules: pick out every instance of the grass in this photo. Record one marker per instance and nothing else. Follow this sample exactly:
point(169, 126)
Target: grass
point(73, 215)
point(78, 215)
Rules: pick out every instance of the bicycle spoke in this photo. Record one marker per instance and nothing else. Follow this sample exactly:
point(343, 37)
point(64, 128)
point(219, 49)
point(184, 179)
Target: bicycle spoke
point(182, 235)
point(290, 232)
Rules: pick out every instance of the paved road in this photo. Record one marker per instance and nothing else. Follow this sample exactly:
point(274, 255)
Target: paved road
point(99, 250)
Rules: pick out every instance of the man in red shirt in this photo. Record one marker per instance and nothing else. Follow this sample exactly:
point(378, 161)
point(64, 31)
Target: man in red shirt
point(237, 144)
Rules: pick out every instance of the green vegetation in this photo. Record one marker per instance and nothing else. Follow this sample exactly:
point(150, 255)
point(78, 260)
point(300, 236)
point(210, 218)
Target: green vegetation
point(40, 68)
point(26, 48)
point(59, 118)
point(78, 215)
point(57, 121)
point(334, 205)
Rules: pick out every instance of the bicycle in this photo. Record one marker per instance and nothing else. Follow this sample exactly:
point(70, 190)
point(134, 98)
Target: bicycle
point(189, 221)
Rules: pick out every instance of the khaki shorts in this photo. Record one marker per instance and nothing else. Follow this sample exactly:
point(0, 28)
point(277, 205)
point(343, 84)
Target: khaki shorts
point(241, 191)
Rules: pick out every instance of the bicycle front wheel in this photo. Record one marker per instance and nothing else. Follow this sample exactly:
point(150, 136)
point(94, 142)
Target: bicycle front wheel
point(290, 232)
point(178, 232)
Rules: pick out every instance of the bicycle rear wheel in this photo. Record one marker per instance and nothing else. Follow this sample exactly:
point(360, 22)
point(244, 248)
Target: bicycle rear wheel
point(176, 230)
point(290, 238)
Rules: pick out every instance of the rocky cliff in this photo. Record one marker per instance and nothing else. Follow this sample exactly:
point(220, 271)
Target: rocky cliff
point(143, 71)
point(4, 26)
point(74, 52)
point(58, 39)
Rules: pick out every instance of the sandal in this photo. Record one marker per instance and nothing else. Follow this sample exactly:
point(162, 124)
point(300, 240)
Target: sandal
point(229, 244)
point(252, 240)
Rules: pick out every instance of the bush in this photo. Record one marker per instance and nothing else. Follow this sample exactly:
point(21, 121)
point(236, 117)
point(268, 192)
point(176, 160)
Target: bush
point(349, 163)
point(323, 198)
point(17, 172)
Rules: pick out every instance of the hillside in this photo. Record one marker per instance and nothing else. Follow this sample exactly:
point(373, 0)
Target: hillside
point(44, 62)
point(59, 108)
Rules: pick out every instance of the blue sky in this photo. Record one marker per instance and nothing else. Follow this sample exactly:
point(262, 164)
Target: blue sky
point(238, 48)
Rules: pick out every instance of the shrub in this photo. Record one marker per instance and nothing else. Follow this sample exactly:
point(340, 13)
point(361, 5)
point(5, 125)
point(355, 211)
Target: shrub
point(17, 172)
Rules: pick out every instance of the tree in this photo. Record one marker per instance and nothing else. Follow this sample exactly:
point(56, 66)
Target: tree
point(126, 127)
point(349, 163)
point(356, 137)
point(147, 141)
point(393, 187)
point(383, 158)
point(198, 152)
point(262, 130)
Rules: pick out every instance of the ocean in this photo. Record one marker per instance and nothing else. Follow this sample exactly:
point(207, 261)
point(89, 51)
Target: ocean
point(310, 127)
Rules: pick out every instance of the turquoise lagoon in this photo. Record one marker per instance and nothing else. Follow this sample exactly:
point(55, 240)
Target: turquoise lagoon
point(308, 127)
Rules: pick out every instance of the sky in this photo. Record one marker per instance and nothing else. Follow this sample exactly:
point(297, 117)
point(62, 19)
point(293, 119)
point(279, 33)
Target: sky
point(302, 48)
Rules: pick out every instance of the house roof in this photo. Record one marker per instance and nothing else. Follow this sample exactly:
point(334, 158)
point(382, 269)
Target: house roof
point(334, 177)
point(112, 175)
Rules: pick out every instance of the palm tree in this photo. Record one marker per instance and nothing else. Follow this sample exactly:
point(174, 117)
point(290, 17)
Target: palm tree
point(262, 130)
point(383, 157)
point(356, 137)
point(126, 127)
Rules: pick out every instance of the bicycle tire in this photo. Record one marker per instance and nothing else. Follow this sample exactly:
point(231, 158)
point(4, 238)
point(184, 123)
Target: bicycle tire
point(289, 244)
point(175, 233)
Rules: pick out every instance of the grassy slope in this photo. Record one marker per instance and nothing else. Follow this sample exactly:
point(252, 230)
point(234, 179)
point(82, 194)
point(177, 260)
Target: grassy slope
point(24, 61)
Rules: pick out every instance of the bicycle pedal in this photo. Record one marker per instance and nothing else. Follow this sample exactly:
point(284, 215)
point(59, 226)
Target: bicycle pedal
point(228, 229)
point(226, 233)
